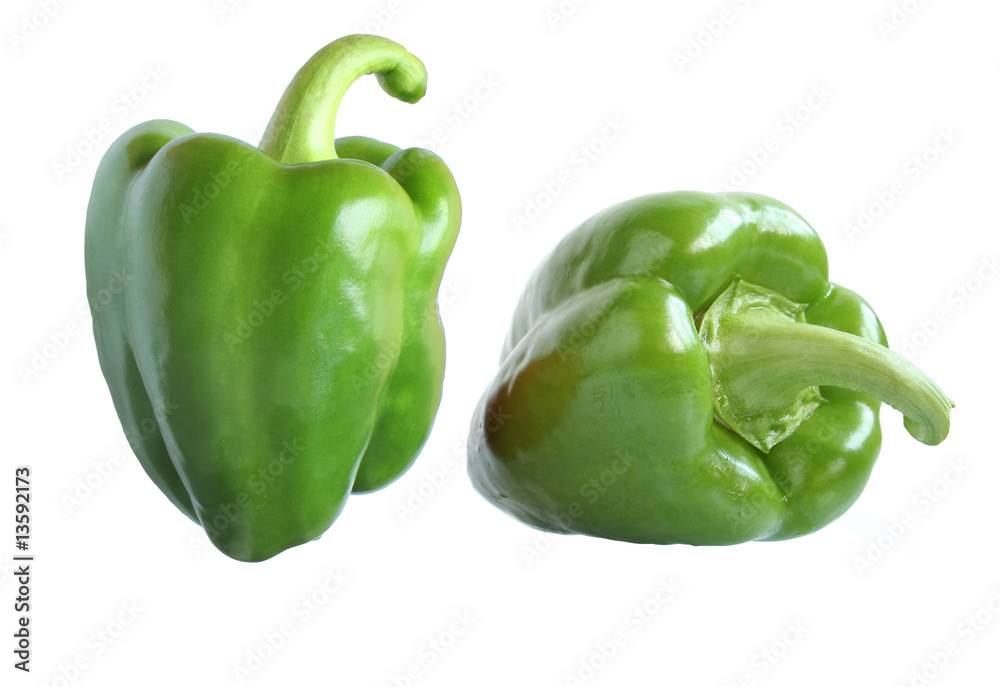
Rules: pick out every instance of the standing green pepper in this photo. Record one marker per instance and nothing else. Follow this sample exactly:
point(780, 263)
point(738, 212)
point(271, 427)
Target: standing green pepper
point(680, 369)
point(277, 343)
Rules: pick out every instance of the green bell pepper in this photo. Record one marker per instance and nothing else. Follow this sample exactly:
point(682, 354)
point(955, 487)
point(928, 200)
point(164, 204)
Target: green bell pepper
point(680, 369)
point(277, 344)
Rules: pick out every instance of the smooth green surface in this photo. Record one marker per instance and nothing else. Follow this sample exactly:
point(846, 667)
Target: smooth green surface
point(681, 370)
point(277, 343)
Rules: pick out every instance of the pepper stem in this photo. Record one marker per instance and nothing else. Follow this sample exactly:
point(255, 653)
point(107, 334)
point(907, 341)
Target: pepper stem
point(301, 128)
point(767, 363)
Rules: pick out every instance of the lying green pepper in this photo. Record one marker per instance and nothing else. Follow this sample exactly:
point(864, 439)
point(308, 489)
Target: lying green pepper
point(277, 343)
point(681, 370)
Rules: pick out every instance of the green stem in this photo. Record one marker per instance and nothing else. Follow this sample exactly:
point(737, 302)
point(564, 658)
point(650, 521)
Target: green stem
point(765, 362)
point(301, 128)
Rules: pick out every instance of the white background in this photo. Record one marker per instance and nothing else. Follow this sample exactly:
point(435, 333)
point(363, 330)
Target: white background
point(866, 607)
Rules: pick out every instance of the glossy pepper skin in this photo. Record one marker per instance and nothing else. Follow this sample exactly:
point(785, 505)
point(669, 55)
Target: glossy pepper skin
point(266, 318)
point(681, 370)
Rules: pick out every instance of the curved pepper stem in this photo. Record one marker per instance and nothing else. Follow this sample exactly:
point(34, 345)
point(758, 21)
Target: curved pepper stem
point(767, 363)
point(301, 128)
